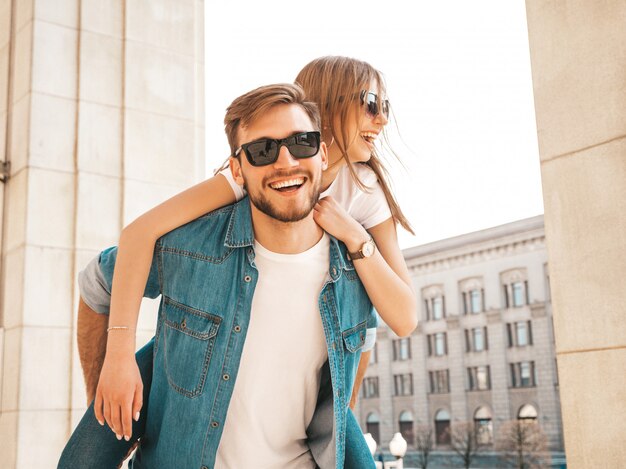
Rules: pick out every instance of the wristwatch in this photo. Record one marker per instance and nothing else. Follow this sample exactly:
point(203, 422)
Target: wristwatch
point(367, 250)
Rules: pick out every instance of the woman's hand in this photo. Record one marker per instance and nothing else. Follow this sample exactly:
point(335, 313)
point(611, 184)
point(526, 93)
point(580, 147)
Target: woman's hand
point(119, 396)
point(334, 219)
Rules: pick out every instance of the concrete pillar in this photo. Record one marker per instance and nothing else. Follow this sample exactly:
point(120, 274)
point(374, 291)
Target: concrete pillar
point(102, 103)
point(578, 57)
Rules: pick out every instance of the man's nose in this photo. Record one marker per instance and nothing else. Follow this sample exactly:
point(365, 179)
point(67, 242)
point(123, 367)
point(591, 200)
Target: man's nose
point(285, 160)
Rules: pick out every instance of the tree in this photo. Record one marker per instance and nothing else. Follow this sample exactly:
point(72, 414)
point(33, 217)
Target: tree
point(464, 441)
point(523, 444)
point(423, 444)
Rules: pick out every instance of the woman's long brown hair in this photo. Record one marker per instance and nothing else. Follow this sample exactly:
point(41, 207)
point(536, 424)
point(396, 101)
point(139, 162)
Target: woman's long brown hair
point(334, 83)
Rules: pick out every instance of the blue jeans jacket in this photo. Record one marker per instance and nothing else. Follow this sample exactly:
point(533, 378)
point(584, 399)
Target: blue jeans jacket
point(92, 446)
point(206, 274)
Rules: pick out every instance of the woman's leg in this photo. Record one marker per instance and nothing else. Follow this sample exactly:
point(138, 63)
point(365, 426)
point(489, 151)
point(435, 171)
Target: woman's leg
point(95, 446)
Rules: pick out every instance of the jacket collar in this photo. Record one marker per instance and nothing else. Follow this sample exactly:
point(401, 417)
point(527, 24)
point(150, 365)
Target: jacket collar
point(240, 233)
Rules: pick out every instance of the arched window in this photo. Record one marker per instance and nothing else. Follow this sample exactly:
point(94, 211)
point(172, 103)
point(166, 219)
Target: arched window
point(434, 302)
point(372, 424)
point(473, 295)
point(483, 425)
point(442, 427)
point(406, 427)
point(527, 412)
point(515, 288)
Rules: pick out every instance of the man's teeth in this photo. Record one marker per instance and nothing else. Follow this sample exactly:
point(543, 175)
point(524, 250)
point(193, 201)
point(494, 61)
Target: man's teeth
point(288, 183)
point(369, 136)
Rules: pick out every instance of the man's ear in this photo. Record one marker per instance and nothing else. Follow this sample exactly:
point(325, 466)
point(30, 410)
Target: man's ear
point(324, 155)
point(235, 169)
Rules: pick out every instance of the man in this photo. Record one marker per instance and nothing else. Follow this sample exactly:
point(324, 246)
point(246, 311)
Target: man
point(262, 316)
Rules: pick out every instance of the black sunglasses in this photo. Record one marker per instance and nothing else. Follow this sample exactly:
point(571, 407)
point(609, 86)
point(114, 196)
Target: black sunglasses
point(265, 150)
point(370, 101)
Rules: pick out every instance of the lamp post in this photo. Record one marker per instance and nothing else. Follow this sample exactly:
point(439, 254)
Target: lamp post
point(371, 443)
point(397, 447)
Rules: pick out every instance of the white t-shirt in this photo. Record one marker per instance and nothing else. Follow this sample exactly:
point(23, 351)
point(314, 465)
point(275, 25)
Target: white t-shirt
point(277, 384)
point(368, 208)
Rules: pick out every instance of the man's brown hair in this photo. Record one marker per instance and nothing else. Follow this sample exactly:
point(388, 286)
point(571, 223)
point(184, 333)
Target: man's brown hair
point(246, 108)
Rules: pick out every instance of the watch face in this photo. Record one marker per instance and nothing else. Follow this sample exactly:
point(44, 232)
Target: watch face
point(368, 249)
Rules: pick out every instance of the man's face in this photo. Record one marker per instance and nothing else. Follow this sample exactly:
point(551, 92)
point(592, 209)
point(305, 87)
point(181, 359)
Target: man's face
point(288, 189)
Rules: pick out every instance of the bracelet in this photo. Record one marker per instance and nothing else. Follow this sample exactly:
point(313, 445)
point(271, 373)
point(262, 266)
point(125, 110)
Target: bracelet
point(111, 328)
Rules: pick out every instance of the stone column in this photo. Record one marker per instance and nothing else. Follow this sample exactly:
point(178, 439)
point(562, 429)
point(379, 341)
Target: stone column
point(456, 365)
point(578, 56)
point(499, 369)
point(103, 106)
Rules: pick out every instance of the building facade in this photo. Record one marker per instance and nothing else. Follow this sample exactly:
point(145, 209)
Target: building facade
point(483, 351)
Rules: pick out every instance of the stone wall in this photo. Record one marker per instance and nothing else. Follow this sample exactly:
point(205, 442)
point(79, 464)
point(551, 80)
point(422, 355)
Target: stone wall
point(101, 118)
point(578, 58)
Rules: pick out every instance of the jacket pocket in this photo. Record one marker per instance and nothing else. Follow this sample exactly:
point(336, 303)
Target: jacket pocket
point(188, 341)
point(354, 338)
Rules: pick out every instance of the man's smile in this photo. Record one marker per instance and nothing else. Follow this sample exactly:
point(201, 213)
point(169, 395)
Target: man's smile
point(288, 185)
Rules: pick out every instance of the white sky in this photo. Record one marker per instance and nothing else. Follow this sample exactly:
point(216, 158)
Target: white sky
point(459, 81)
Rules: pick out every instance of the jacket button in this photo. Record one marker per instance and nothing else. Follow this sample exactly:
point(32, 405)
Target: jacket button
point(226, 377)
point(237, 328)
point(334, 271)
point(204, 467)
point(247, 279)
point(215, 424)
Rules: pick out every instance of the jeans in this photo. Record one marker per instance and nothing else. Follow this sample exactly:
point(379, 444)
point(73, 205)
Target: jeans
point(93, 446)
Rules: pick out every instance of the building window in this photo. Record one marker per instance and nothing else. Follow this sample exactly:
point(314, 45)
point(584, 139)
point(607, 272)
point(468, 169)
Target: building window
point(370, 387)
point(434, 302)
point(439, 381)
point(372, 426)
point(473, 301)
point(476, 339)
point(483, 424)
point(402, 349)
point(437, 344)
point(527, 412)
point(520, 334)
point(442, 427)
point(403, 384)
point(523, 374)
point(479, 378)
point(374, 355)
point(518, 294)
point(515, 288)
point(406, 427)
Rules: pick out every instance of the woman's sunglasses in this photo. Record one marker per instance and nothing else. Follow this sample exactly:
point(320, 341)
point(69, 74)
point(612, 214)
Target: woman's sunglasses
point(265, 150)
point(370, 101)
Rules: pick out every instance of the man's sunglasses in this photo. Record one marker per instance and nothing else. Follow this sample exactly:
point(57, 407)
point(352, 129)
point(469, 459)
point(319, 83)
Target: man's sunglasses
point(370, 101)
point(265, 150)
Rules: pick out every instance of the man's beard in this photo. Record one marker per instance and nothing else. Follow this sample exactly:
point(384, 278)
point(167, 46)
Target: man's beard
point(289, 215)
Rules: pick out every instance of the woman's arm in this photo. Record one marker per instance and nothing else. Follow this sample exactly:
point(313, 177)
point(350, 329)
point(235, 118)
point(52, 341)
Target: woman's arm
point(120, 382)
point(384, 275)
point(364, 361)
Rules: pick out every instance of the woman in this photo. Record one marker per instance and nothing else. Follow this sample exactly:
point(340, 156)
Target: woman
point(357, 197)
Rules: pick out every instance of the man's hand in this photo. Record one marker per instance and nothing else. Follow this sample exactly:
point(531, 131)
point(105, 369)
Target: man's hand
point(119, 396)
point(92, 341)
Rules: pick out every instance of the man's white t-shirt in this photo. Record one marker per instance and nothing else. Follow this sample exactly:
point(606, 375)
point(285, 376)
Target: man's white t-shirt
point(368, 208)
point(277, 384)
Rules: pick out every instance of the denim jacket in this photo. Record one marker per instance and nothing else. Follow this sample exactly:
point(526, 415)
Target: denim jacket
point(206, 274)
